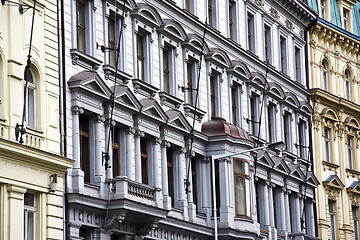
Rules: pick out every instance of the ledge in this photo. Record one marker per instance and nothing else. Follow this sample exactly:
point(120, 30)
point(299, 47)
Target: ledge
point(110, 73)
point(84, 60)
point(352, 173)
point(144, 88)
point(330, 166)
point(190, 112)
point(170, 100)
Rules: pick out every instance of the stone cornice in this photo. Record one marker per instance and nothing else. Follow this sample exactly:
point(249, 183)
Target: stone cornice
point(33, 157)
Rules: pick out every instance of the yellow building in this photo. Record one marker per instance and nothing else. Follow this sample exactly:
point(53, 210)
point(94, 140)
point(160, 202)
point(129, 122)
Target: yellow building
point(32, 173)
point(334, 69)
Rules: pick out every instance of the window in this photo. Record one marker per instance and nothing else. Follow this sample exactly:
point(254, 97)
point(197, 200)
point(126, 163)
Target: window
point(355, 211)
point(187, 5)
point(212, 13)
point(251, 32)
point(81, 25)
point(166, 70)
point(347, 85)
point(327, 144)
point(116, 152)
point(144, 161)
point(322, 8)
point(235, 102)
point(191, 81)
point(350, 153)
point(29, 216)
point(240, 191)
point(114, 28)
point(283, 63)
point(214, 95)
point(324, 74)
point(302, 140)
point(217, 186)
point(332, 219)
point(85, 146)
point(31, 100)
point(140, 56)
point(267, 43)
point(346, 19)
point(271, 111)
point(287, 131)
point(232, 20)
point(297, 64)
point(194, 181)
point(84, 233)
point(274, 207)
point(170, 172)
point(254, 103)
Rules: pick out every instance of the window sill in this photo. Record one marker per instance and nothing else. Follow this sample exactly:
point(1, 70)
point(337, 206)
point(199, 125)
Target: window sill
point(330, 166)
point(144, 88)
point(352, 173)
point(190, 111)
point(110, 73)
point(170, 100)
point(84, 60)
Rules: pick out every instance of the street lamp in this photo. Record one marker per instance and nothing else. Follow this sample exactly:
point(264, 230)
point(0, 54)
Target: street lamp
point(215, 157)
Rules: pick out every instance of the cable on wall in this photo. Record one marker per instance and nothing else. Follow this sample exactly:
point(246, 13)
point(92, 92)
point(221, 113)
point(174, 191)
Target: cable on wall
point(192, 131)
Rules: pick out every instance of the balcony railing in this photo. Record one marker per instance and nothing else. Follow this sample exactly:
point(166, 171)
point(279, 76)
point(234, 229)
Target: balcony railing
point(141, 190)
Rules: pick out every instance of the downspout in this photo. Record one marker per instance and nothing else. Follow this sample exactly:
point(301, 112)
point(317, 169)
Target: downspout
point(307, 69)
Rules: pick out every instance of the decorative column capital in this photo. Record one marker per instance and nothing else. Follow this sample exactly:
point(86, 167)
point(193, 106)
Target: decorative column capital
point(100, 118)
point(130, 130)
point(138, 133)
point(108, 123)
point(190, 154)
point(206, 159)
point(157, 141)
point(165, 144)
point(76, 110)
point(182, 150)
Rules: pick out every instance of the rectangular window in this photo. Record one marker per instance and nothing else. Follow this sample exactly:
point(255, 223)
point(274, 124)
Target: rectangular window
point(187, 5)
point(322, 8)
point(253, 113)
point(234, 106)
point(116, 152)
point(232, 10)
point(271, 111)
point(302, 139)
point(190, 68)
point(327, 144)
point(166, 70)
point(31, 100)
point(350, 154)
point(355, 211)
point(144, 161)
point(212, 13)
point(240, 191)
point(112, 39)
point(267, 43)
point(332, 219)
point(194, 181)
point(283, 54)
point(84, 146)
point(297, 65)
point(29, 216)
point(274, 207)
point(81, 25)
point(287, 131)
point(346, 18)
point(217, 186)
point(251, 32)
point(140, 56)
point(214, 98)
point(170, 172)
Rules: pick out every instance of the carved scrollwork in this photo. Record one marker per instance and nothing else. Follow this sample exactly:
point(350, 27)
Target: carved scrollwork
point(143, 228)
point(116, 218)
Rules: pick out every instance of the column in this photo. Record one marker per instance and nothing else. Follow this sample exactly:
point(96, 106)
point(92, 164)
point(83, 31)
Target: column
point(109, 172)
point(190, 199)
point(130, 133)
point(287, 210)
point(98, 148)
point(156, 171)
point(282, 206)
point(296, 211)
point(138, 135)
point(205, 188)
point(164, 174)
point(76, 110)
point(272, 212)
point(16, 212)
point(181, 203)
point(226, 215)
point(310, 218)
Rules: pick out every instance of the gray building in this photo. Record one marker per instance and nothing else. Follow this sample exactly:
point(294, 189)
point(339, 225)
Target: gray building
point(251, 79)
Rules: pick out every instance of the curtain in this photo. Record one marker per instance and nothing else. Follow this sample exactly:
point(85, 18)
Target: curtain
point(335, 13)
point(313, 5)
point(356, 18)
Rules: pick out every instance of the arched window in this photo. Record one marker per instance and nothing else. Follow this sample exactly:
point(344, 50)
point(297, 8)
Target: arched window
point(31, 100)
point(324, 74)
point(347, 84)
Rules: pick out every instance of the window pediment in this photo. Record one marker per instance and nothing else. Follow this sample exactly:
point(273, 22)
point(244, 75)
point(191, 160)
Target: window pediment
point(329, 114)
point(125, 98)
point(296, 172)
point(152, 109)
point(276, 91)
point(148, 15)
point(173, 30)
point(306, 108)
point(352, 122)
point(257, 79)
point(292, 100)
point(281, 165)
point(333, 181)
point(218, 57)
point(178, 120)
point(312, 180)
point(265, 159)
point(354, 187)
point(239, 70)
point(194, 44)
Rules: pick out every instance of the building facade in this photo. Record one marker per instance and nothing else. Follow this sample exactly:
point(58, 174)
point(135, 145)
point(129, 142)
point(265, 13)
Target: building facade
point(129, 117)
point(334, 94)
point(32, 173)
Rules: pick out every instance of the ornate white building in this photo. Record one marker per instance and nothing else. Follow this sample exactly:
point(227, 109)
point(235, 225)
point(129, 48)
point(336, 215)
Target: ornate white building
point(252, 90)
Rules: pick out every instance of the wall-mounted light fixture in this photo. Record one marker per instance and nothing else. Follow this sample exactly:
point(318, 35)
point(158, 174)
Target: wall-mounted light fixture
point(53, 183)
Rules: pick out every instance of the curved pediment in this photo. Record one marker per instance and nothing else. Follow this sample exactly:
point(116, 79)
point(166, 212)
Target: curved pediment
point(218, 57)
point(276, 90)
point(239, 69)
point(146, 13)
point(351, 121)
point(173, 30)
point(330, 114)
point(306, 107)
point(195, 43)
point(258, 79)
point(291, 99)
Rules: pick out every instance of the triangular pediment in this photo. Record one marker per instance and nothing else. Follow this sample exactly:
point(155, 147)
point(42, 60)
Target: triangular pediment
point(333, 181)
point(312, 180)
point(177, 119)
point(152, 109)
point(90, 81)
point(282, 167)
point(265, 159)
point(125, 97)
point(297, 173)
point(354, 187)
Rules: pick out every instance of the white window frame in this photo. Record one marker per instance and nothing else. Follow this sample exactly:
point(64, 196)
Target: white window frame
point(250, 41)
point(287, 127)
point(325, 74)
point(192, 6)
point(302, 142)
point(268, 48)
point(355, 216)
point(350, 151)
point(345, 18)
point(271, 116)
point(214, 13)
point(146, 36)
point(332, 219)
point(327, 144)
point(298, 69)
point(283, 48)
point(234, 20)
point(30, 212)
point(217, 90)
point(254, 124)
point(347, 84)
point(31, 99)
point(194, 76)
point(322, 10)
point(237, 89)
point(172, 68)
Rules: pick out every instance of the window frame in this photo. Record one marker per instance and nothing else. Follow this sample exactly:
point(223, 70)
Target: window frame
point(297, 64)
point(327, 144)
point(253, 115)
point(215, 93)
point(332, 218)
point(302, 148)
point(85, 164)
point(322, 12)
point(171, 175)
point(287, 119)
point(251, 32)
point(347, 81)
point(271, 122)
point(345, 18)
point(350, 151)
point(116, 148)
point(283, 54)
point(355, 217)
point(31, 88)
point(144, 155)
point(325, 74)
point(212, 13)
point(30, 210)
point(243, 176)
point(194, 182)
point(268, 43)
point(140, 56)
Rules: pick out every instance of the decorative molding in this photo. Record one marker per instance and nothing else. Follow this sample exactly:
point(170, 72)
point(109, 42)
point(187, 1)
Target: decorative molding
point(84, 60)
point(76, 110)
point(116, 218)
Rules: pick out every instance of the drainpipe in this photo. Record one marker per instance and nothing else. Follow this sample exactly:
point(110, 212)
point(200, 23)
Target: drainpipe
point(307, 69)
